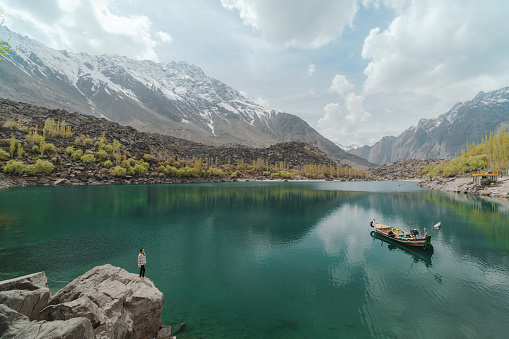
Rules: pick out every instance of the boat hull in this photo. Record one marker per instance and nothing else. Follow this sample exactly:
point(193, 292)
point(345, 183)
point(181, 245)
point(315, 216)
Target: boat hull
point(404, 238)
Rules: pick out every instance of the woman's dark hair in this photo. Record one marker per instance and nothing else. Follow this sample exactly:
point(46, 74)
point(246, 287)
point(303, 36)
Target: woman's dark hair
point(141, 250)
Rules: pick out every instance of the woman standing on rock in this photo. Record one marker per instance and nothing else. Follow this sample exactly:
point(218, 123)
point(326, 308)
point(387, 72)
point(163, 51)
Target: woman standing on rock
point(142, 261)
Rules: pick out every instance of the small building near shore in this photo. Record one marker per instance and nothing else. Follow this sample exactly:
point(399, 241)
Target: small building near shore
point(484, 178)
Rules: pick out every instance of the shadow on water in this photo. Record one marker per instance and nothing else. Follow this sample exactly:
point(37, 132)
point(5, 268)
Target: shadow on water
point(422, 255)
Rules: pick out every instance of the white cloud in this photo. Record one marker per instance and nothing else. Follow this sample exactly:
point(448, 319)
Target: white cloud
point(164, 37)
point(311, 69)
point(299, 23)
point(448, 49)
point(91, 26)
point(341, 85)
point(335, 123)
point(355, 107)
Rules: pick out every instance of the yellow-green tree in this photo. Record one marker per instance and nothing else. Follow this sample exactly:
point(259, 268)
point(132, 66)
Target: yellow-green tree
point(4, 45)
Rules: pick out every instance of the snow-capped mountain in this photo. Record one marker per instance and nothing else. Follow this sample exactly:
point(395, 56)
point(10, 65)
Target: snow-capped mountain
point(174, 98)
point(348, 147)
point(446, 135)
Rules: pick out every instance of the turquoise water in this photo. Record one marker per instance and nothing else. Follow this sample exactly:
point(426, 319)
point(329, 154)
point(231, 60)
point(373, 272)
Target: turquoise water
point(277, 260)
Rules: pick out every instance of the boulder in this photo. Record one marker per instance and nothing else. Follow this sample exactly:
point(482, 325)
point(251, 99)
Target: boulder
point(28, 282)
point(17, 325)
point(27, 295)
point(117, 303)
point(164, 333)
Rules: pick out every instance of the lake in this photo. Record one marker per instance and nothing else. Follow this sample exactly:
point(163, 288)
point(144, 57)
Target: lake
point(277, 259)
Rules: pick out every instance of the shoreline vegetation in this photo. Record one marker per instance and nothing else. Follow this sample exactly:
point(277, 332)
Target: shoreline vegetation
point(40, 146)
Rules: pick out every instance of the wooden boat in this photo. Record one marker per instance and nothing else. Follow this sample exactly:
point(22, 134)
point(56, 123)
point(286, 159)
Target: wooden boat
point(401, 237)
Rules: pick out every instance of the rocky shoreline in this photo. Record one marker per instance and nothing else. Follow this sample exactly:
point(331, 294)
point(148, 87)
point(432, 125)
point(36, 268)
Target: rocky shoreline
point(105, 302)
point(467, 186)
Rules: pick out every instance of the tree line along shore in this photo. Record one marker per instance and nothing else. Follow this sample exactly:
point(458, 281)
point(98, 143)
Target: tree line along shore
point(39, 146)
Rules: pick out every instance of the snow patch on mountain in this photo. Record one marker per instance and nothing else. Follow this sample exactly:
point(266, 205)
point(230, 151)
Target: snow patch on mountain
point(119, 77)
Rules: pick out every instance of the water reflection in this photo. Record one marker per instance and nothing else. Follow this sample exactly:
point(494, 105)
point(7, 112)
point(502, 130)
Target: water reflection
point(276, 259)
point(419, 255)
point(490, 216)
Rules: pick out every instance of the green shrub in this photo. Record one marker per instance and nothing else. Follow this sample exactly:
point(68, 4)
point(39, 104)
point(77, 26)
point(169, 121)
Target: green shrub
point(477, 162)
point(14, 167)
point(217, 172)
point(108, 148)
point(161, 169)
point(88, 158)
point(49, 148)
point(76, 155)
point(148, 157)
point(139, 170)
point(118, 171)
point(102, 155)
point(35, 149)
point(284, 174)
point(40, 167)
point(69, 150)
point(88, 141)
point(203, 173)
point(187, 172)
point(131, 162)
point(107, 164)
point(439, 170)
point(4, 155)
point(266, 173)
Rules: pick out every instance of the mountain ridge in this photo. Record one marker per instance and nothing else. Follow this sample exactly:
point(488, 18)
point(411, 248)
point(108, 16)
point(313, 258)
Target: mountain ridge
point(445, 136)
point(176, 98)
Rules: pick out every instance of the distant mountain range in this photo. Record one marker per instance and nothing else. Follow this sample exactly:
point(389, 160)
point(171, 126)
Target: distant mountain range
point(175, 99)
point(446, 135)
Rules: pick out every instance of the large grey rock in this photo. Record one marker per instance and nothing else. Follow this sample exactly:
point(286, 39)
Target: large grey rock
point(164, 333)
point(27, 282)
point(16, 325)
point(116, 302)
point(27, 295)
point(28, 303)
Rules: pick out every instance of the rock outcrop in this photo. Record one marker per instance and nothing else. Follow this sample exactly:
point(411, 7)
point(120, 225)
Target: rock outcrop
point(16, 325)
point(27, 295)
point(105, 302)
point(117, 303)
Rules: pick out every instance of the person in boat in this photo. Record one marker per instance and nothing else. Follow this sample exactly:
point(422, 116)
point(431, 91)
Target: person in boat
point(373, 223)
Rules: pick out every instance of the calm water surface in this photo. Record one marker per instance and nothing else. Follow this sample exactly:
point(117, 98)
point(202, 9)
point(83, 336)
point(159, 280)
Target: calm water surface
point(277, 260)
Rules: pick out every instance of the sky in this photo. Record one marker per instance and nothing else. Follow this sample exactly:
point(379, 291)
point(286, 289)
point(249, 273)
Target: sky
point(355, 70)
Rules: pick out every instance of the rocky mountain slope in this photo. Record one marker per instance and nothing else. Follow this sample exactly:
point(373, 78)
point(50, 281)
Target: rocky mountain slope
point(175, 99)
point(446, 135)
point(162, 150)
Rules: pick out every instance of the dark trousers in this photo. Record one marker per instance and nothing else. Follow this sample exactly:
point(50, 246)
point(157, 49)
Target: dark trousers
point(142, 271)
